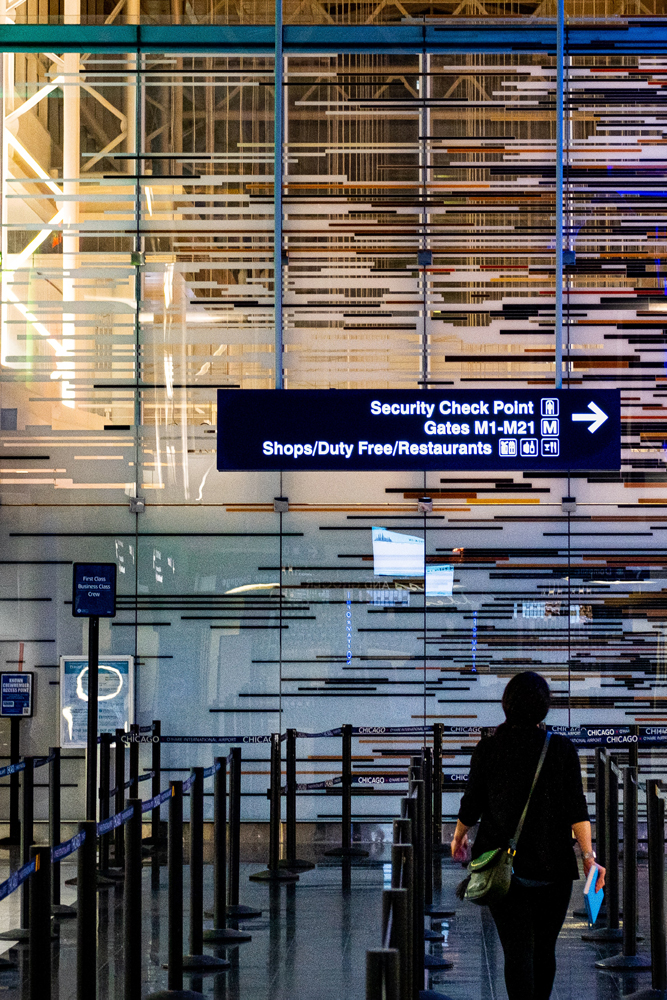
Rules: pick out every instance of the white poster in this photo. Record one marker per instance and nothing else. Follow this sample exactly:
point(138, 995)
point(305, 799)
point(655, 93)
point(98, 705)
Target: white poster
point(395, 554)
point(115, 701)
point(439, 581)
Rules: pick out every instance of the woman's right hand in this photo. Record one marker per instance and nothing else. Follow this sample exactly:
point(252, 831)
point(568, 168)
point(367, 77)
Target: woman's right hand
point(599, 882)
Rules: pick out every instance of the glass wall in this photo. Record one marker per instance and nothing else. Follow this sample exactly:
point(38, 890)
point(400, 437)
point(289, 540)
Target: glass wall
point(418, 251)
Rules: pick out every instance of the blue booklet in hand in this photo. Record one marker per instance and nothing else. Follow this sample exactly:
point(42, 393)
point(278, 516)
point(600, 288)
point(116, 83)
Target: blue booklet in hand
point(592, 897)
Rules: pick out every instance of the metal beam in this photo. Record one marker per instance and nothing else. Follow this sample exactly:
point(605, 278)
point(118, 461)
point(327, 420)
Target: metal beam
point(330, 39)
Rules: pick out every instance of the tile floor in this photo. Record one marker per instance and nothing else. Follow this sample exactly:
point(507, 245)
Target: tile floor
point(311, 940)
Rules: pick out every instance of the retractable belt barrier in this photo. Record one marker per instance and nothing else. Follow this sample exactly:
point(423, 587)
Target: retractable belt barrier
point(581, 736)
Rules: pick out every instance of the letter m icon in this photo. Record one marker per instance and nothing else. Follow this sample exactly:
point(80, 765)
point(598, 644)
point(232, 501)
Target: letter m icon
point(550, 428)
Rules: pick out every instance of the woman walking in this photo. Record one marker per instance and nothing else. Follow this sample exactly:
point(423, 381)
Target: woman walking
point(502, 769)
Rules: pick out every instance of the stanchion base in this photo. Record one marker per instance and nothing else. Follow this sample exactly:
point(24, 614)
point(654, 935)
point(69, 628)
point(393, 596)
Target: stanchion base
point(60, 912)
point(603, 934)
point(437, 911)
point(112, 874)
point(297, 865)
point(176, 995)
point(227, 935)
point(433, 936)
point(647, 994)
point(435, 962)
point(21, 934)
point(242, 911)
point(274, 875)
point(346, 852)
point(205, 963)
point(625, 963)
point(100, 882)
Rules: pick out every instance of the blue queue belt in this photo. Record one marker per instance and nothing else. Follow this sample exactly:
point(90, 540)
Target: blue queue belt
point(583, 736)
point(15, 880)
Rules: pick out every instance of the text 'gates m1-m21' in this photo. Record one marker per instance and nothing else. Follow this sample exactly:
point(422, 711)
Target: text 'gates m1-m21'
point(369, 429)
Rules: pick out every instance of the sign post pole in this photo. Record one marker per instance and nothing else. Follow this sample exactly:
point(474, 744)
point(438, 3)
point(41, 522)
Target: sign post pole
point(93, 692)
point(93, 596)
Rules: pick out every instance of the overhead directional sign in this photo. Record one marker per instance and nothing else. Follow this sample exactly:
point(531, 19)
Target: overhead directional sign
point(446, 430)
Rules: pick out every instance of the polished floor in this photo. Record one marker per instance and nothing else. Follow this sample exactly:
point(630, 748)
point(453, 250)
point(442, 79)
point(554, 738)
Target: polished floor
point(311, 940)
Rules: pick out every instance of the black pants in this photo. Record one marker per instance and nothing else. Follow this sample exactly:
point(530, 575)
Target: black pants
point(529, 922)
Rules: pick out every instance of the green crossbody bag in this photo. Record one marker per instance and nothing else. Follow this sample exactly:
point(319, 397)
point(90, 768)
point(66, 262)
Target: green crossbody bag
point(490, 874)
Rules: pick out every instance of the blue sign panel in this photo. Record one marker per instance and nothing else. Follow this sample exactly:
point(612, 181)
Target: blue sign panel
point(445, 430)
point(94, 590)
point(16, 694)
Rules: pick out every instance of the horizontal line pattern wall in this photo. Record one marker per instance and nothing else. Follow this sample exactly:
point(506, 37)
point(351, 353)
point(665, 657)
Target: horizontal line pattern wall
point(419, 242)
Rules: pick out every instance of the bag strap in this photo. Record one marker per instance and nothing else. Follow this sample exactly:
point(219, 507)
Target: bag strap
point(515, 839)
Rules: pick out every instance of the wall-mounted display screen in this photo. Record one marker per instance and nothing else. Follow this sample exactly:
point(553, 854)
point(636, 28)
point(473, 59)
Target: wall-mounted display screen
point(395, 554)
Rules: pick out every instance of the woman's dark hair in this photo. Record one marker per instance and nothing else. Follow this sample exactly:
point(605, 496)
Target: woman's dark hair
point(526, 699)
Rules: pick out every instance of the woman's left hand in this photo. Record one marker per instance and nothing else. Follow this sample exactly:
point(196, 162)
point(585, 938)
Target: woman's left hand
point(460, 847)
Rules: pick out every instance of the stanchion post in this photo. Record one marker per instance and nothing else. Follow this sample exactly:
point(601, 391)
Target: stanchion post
point(611, 837)
point(628, 959)
point(220, 846)
point(427, 772)
point(346, 849)
point(134, 758)
point(275, 800)
point(290, 799)
point(14, 787)
point(600, 844)
point(402, 878)
point(395, 923)
point(196, 959)
point(438, 729)
point(39, 970)
point(27, 829)
point(274, 873)
point(234, 908)
point(91, 733)
point(291, 862)
point(655, 814)
point(54, 819)
point(105, 788)
point(119, 795)
point(612, 931)
point(382, 974)
point(346, 801)
point(409, 810)
point(86, 922)
point(175, 891)
point(156, 768)
point(656, 834)
point(221, 932)
point(630, 861)
point(132, 903)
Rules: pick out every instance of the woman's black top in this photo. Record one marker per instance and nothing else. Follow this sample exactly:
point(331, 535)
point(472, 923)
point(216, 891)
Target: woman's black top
point(501, 773)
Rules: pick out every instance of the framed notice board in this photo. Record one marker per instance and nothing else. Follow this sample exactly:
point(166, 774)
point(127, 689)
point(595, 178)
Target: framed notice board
point(115, 702)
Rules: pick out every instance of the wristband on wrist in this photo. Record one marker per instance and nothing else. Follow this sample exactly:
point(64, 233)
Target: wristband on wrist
point(589, 854)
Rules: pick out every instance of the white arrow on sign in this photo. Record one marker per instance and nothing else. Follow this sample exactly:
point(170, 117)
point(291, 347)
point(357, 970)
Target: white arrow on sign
point(596, 417)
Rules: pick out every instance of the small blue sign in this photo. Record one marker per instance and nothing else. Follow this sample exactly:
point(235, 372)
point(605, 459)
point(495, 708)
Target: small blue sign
point(94, 590)
point(16, 694)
